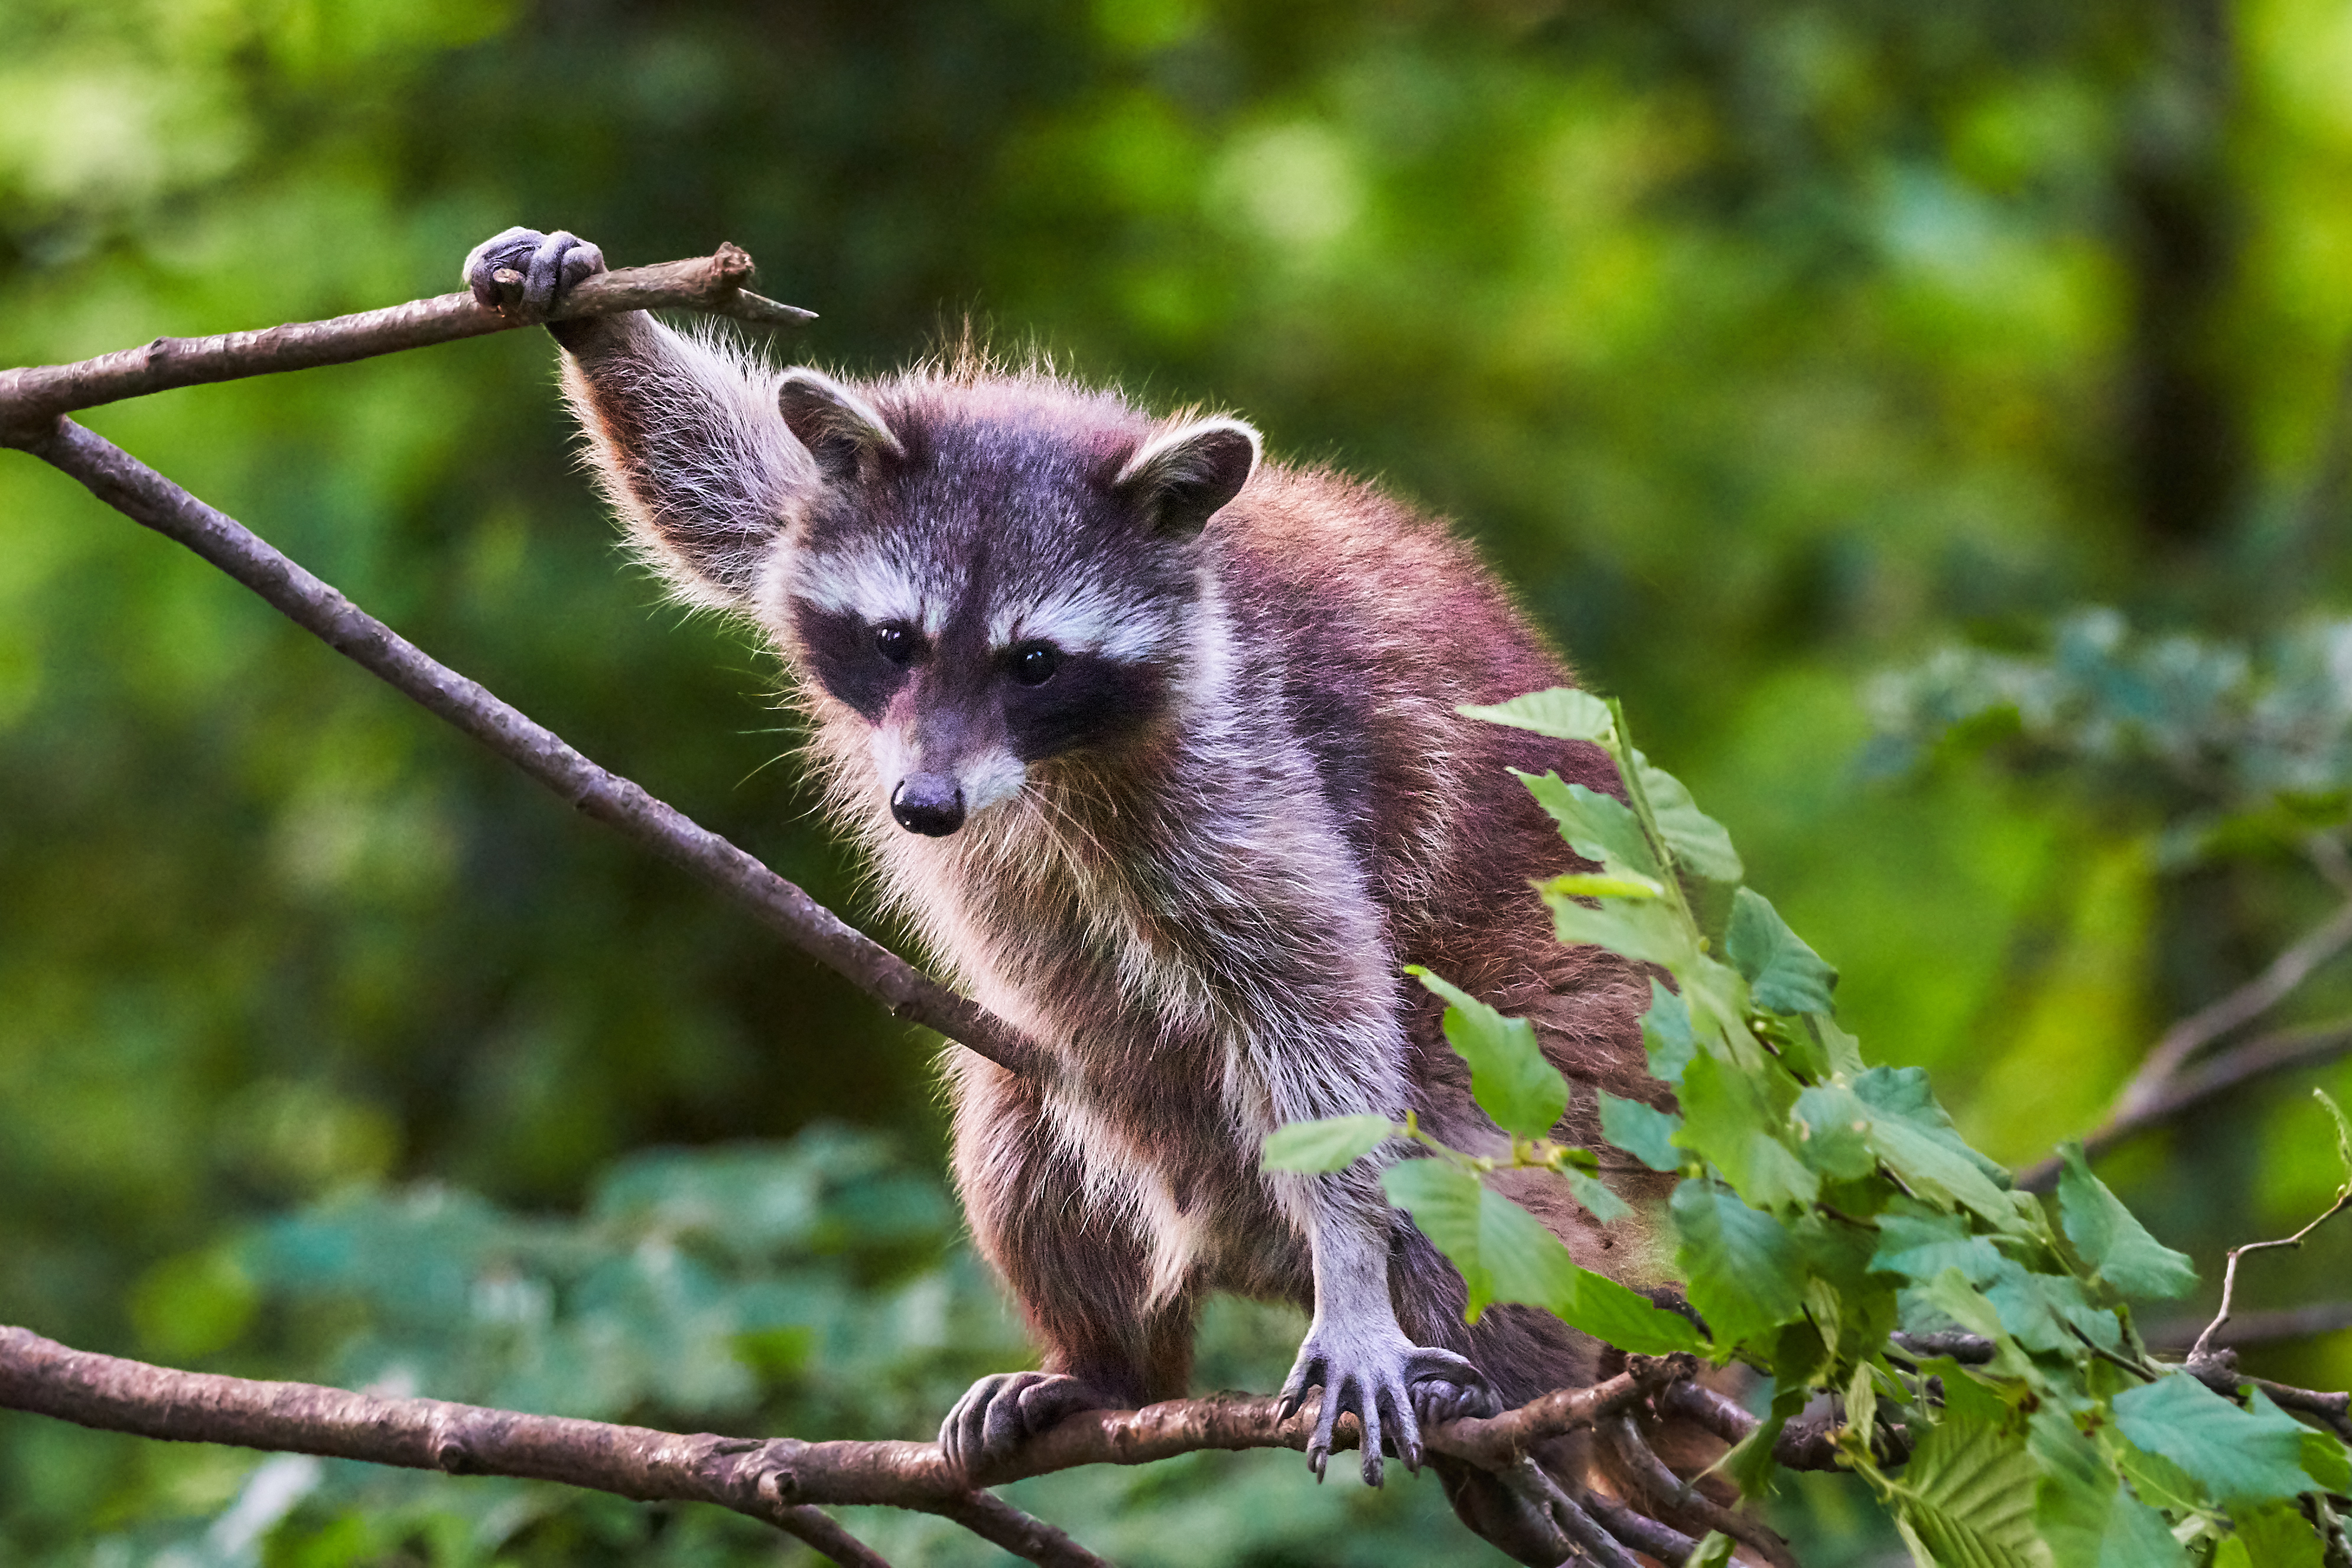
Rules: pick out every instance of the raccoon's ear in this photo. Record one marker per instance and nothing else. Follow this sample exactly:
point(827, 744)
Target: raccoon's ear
point(1180, 480)
point(840, 429)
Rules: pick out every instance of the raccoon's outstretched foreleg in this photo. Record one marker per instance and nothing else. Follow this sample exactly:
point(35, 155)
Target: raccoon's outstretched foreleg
point(684, 436)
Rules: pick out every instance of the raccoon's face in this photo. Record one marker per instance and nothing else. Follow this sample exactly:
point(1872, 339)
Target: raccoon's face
point(989, 586)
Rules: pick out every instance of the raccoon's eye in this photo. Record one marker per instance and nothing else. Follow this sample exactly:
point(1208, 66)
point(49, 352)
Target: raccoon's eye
point(896, 643)
point(1033, 663)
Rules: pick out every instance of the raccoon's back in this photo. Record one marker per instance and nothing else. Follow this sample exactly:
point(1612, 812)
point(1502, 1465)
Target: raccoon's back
point(1386, 622)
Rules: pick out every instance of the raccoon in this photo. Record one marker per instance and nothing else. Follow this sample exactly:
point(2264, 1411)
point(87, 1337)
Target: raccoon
point(1154, 743)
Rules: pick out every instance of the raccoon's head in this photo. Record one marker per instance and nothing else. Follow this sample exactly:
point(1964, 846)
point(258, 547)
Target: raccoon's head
point(992, 575)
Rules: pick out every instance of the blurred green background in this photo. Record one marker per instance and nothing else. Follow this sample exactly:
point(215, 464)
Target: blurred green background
point(1760, 349)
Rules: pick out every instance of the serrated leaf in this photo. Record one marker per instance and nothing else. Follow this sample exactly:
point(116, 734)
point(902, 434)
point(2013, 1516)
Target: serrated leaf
point(1333, 1144)
point(1600, 828)
point(2112, 1240)
point(2087, 1515)
point(1917, 1140)
point(1604, 885)
point(1505, 1253)
point(2045, 1312)
point(1968, 1498)
point(1832, 1128)
point(1642, 1131)
point(1646, 932)
point(1509, 1077)
point(2244, 1457)
point(1783, 974)
point(1598, 1200)
point(1728, 1121)
point(1666, 1035)
point(1563, 712)
point(1699, 843)
point(1921, 1248)
point(1742, 1268)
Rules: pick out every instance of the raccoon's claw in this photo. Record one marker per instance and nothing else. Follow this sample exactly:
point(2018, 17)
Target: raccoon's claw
point(1380, 1384)
point(1001, 1411)
point(549, 264)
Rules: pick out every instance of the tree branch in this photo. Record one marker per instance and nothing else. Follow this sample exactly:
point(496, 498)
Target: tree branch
point(781, 1480)
point(32, 396)
point(147, 498)
point(2256, 997)
point(2282, 1052)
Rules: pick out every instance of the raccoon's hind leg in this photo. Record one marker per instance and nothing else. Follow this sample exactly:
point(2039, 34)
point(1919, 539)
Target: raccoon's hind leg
point(1081, 1276)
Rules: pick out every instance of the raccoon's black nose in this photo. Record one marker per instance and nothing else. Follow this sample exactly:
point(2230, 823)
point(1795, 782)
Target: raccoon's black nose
point(927, 803)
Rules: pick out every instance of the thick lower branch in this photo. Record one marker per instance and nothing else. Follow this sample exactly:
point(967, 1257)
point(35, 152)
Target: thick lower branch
point(147, 498)
point(778, 1479)
point(33, 395)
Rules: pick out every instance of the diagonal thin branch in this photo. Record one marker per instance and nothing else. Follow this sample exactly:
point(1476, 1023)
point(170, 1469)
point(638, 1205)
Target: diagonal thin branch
point(2285, 1051)
point(147, 498)
point(33, 395)
point(2250, 1001)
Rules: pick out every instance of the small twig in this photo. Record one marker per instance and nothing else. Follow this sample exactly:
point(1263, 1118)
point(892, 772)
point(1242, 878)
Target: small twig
point(32, 396)
point(2256, 997)
point(2201, 1350)
point(146, 497)
point(1026, 1536)
point(2285, 1051)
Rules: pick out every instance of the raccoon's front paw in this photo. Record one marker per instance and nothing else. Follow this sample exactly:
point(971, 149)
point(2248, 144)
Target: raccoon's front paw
point(1376, 1378)
point(999, 1412)
point(548, 263)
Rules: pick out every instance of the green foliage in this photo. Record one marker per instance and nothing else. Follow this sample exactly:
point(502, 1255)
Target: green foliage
point(1331, 1144)
point(1512, 1082)
point(1826, 1202)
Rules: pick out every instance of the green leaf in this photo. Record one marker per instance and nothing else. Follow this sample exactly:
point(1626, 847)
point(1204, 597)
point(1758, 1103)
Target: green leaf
point(1644, 932)
point(1333, 1144)
point(2326, 1461)
point(1667, 1034)
point(1783, 973)
point(2276, 1535)
point(1832, 1132)
point(1564, 713)
point(1917, 1140)
point(1598, 1200)
point(1966, 1500)
point(1742, 1268)
point(1509, 1076)
point(1699, 843)
point(1728, 1120)
point(1919, 1247)
point(1642, 1131)
point(1505, 1253)
point(2113, 1242)
point(2044, 1312)
point(1600, 828)
point(1713, 1551)
point(2244, 1457)
point(2086, 1515)
point(1605, 885)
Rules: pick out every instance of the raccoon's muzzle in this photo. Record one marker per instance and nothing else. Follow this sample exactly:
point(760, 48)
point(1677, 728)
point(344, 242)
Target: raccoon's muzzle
point(929, 803)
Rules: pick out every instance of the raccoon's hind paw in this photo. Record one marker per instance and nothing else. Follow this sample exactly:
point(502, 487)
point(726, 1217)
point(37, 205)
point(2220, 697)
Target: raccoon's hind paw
point(1001, 1411)
point(549, 264)
point(1443, 1396)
